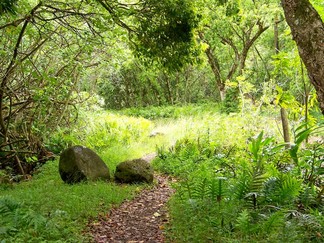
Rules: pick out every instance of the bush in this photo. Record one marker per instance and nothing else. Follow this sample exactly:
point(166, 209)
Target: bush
point(242, 193)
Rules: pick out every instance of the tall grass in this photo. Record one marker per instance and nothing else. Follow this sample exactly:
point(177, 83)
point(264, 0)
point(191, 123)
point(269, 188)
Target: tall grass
point(235, 184)
point(46, 209)
point(195, 141)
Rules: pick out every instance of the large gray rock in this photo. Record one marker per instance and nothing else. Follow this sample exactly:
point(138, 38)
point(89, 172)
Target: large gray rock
point(79, 163)
point(134, 171)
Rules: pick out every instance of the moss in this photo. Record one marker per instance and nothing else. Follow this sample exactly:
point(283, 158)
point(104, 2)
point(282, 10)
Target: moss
point(134, 171)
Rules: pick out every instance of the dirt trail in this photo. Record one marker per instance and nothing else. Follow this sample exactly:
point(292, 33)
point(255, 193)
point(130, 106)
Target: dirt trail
point(137, 220)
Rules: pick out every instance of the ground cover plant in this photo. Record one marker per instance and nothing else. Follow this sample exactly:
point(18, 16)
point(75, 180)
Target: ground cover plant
point(46, 209)
point(234, 182)
point(61, 62)
point(238, 187)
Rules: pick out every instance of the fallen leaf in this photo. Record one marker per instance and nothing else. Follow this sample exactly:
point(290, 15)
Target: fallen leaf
point(157, 214)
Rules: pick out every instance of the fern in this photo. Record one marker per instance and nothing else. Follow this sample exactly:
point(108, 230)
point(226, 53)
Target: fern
point(270, 190)
point(241, 187)
point(7, 206)
point(217, 189)
point(213, 190)
point(250, 187)
point(15, 217)
point(290, 188)
point(257, 182)
point(243, 222)
point(274, 222)
point(200, 189)
point(188, 188)
point(307, 196)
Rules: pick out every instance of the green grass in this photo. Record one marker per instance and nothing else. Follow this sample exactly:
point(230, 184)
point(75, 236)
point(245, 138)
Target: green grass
point(46, 209)
point(235, 186)
point(194, 140)
point(173, 112)
point(66, 207)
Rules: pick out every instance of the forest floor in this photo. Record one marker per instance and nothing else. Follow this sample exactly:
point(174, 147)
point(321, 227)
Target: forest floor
point(139, 220)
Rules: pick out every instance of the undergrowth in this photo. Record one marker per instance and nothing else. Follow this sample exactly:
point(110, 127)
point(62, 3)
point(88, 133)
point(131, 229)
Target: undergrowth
point(232, 186)
point(45, 209)
point(234, 191)
point(174, 112)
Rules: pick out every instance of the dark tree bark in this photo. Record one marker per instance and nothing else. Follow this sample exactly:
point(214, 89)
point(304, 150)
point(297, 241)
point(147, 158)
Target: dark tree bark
point(308, 32)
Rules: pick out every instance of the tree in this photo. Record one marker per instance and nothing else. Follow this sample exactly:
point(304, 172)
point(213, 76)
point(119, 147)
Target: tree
point(308, 32)
point(7, 6)
point(231, 30)
point(159, 30)
point(44, 50)
point(47, 45)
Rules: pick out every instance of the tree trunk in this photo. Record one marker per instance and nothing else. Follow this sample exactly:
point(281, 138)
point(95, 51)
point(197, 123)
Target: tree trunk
point(214, 64)
point(283, 112)
point(285, 126)
point(308, 32)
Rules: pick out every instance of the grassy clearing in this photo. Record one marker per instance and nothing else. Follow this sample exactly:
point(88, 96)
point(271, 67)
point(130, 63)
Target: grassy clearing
point(201, 147)
point(46, 209)
point(50, 210)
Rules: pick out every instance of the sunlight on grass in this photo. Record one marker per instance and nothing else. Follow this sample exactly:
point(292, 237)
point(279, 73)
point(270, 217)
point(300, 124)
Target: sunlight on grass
point(69, 207)
point(66, 209)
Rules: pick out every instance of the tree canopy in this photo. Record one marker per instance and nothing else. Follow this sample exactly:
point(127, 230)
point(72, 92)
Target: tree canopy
point(57, 54)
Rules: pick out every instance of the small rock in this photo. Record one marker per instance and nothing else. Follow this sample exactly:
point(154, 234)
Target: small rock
point(134, 171)
point(154, 134)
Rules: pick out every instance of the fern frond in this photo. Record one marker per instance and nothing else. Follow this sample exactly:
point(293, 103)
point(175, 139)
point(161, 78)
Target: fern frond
point(274, 222)
point(243, 221)
point(290, 188)
point(213, 190)
point(200, 189)
point(257, 182)
point(242, 186)
point(217, 189)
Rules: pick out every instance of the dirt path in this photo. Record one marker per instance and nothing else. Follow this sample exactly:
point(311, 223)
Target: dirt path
point(138, 220)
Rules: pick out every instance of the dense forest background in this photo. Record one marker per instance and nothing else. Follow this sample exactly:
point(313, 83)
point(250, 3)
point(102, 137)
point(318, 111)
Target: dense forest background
point(63, 64)
point(58, 55)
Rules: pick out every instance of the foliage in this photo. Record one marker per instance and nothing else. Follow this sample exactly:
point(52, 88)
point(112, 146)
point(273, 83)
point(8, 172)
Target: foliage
point(232, 101)
point(243, 193)
point(100, 131)
point(7, 6)
point(175, 112)
point(55, 55)
point(44, 55)
point(49, 51)
point(16, 218)
point(231, 185)
point(47, 209)
point(136, 85)
point(43, 209)
point(167, 32)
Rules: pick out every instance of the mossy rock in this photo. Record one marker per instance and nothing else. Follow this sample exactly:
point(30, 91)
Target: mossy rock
point(134, 171)
point(79, 163)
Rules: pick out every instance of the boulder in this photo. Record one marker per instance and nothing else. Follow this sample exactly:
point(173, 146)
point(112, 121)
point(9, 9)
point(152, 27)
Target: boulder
point(79, 163)
point(134, 171)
